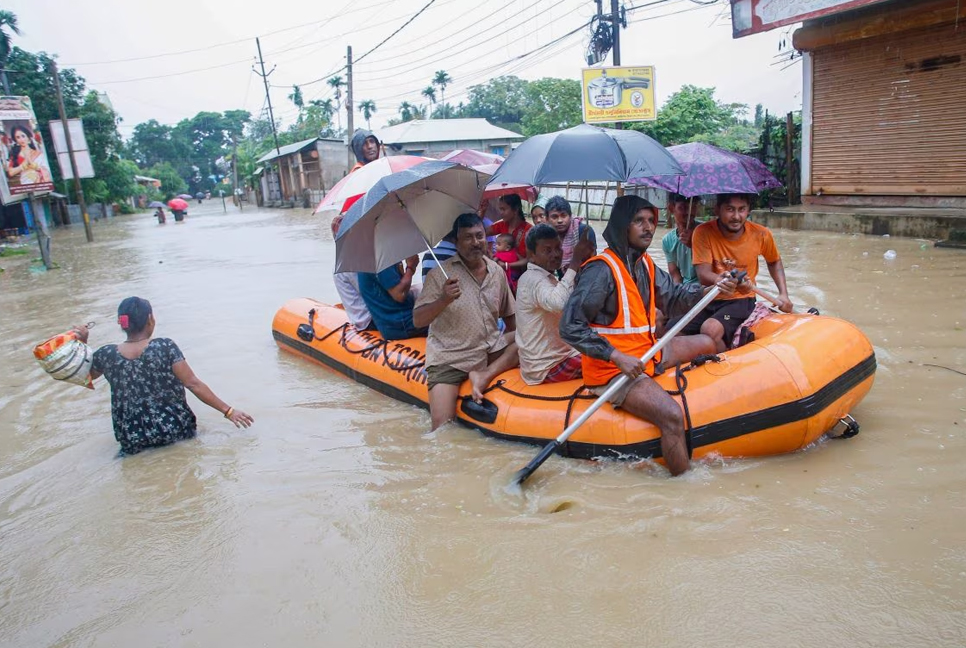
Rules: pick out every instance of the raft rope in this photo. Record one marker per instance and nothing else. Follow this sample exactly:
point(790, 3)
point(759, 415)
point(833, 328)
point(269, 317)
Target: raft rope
point(682, 385)
point(680, 380)
point(342, 330)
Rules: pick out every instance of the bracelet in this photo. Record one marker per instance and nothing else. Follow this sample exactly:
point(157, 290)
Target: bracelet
point(229, 412)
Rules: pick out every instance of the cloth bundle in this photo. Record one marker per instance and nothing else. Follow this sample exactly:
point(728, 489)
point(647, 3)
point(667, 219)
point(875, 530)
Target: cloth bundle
point(66, 358)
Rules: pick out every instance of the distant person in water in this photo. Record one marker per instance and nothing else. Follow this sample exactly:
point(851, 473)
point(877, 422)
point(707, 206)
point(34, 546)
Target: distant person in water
point(365, 145)
point(148, 377)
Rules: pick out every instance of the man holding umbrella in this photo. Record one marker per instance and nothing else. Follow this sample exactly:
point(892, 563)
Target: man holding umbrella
point(611, 316)
point(365, 145)
point(462, 312)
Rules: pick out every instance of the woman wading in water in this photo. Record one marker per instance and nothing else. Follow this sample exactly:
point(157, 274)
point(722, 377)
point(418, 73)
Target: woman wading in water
point(148, 377)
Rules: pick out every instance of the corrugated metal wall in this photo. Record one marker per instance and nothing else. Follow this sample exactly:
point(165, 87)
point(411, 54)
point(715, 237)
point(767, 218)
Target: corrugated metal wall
point(889, 115)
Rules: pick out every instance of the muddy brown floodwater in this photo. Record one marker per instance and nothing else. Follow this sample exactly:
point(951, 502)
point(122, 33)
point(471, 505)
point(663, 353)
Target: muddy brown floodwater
point(339, 520)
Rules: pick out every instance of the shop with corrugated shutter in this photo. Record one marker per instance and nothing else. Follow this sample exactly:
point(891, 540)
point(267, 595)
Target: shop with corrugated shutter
point(888, 104)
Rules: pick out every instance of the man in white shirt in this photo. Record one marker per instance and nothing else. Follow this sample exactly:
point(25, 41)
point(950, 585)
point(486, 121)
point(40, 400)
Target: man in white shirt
point(347, 285)
point(544, 357)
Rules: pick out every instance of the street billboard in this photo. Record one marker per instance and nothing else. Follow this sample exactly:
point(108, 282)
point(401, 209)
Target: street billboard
point(755, 16)
point(78, 142)
point(618, 94)
point(25, 167)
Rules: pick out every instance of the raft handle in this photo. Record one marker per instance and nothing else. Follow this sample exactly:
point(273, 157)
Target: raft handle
point(851, 427)
point(306, 332)
point(484, 412)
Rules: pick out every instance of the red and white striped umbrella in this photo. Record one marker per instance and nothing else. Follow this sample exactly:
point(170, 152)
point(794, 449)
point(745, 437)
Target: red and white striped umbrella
point(352, 187)
point(472, 157)
point(525, 191)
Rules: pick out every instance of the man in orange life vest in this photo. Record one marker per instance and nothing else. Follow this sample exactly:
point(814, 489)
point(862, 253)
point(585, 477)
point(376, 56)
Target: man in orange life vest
point(611, 316)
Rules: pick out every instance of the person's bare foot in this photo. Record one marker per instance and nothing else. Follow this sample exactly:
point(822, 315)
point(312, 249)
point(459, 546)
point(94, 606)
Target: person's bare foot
point(478, 382)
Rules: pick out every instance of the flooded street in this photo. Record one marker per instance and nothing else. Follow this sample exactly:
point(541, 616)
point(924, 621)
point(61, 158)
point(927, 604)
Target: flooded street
point(339, 520)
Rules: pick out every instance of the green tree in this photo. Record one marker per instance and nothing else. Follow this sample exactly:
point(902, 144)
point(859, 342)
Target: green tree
point(172, 183)
point(367, 107)
point(8, 21)
point(209, 137)
point(691, 113)
point(552, 105)
point(152, 143)
point(326, 108)
point(502, 101)
point(113, 177)
point(440, 80)
point(430, 93)
point(296, 98)
point(406, 112)
point(444, 111)
point(336, 83)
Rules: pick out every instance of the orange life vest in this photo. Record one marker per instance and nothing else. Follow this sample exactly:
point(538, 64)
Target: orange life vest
point(631, 332)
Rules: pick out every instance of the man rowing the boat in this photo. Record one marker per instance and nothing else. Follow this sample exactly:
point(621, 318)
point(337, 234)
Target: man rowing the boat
point(463, 312)
point(611, 316)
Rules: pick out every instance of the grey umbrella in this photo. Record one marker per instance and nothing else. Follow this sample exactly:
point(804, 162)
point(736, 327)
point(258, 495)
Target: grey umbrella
point(405, 213)
point(585, 153)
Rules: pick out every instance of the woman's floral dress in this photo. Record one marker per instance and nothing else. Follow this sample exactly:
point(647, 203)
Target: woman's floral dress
point(148, 403)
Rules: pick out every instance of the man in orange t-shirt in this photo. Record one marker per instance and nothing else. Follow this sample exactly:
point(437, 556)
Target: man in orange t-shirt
point(730, 242)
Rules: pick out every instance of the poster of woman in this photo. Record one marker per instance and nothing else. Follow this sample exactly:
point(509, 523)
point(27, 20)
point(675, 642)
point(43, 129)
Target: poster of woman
point(25, 166)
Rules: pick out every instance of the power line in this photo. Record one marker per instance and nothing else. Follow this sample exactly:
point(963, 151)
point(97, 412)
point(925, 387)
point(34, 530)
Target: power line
point(466, 47)
point(483, 56)
point(493, 68)
point(172, 74)
point(340, 14)
point(401, 27)
point(475, 23)
point(384, 41)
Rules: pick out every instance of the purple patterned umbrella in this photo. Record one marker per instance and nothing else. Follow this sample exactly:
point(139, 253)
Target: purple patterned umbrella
point(711, 170)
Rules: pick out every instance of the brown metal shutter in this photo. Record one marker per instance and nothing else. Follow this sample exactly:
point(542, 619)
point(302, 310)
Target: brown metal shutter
point(889, 115)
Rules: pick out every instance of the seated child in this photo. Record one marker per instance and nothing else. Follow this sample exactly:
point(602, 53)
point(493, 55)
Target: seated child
point(505, 255)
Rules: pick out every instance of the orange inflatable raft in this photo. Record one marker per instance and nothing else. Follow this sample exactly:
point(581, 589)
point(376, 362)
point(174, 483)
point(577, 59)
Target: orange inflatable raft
point(798, 380)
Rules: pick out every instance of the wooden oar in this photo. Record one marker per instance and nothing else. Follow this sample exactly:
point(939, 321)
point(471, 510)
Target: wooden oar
point(551, 447)
point(774, 300)
point(766, 295)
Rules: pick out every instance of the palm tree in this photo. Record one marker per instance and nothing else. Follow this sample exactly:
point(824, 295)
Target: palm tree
point(430, 93)
point(323, 111)
point(8, 20)
point(326, 107)
point(367, 107)
point(336, 83)
point(406, 110)
point(297, 99)
point(442, 79)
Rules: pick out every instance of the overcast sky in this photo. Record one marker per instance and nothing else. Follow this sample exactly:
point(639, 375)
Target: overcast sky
point(116, 44)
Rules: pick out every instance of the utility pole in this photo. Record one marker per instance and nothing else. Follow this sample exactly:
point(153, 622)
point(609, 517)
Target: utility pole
point(70, 155)
point(268, 97)
point(615, 23)
point(348, 105)
point(234, 169)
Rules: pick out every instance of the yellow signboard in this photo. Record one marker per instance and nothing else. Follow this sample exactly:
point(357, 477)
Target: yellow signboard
point(618, 94)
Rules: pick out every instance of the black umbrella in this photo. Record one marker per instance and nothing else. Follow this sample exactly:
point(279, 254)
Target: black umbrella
point(585, 153)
